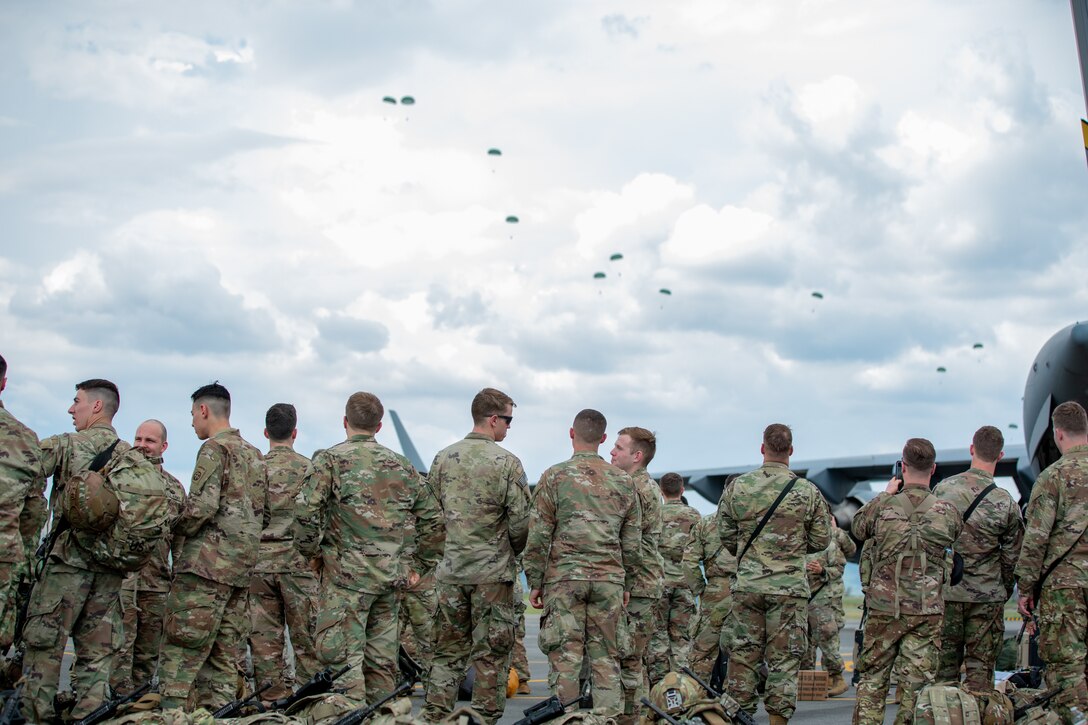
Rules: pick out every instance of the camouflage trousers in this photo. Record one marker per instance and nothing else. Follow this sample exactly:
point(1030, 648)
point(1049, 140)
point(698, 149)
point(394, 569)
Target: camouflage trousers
point(475, 625)
point(714, 606)
point(912, 643)
point(640, 621)
point(9, 602)
point(417, 609)
point(824, 625)
point(1063, 622)
point(972, 634)
point(584, 617)
point(520, 658)
point(770, 628)
point(276, 600)
point(142, 614)
point(204, 633)
point(670, 641)
point(358, 629)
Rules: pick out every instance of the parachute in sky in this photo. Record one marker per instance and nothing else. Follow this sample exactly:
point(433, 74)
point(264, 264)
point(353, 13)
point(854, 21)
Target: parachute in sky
point(615, 257)
point(941, 370)
point(977, 346)
point(389, 99)
point(512, 219)
point(407, 101)
point(494, 152)
point(818, 295)
point(1013, 426)
point(599, 275)
point(665, 291)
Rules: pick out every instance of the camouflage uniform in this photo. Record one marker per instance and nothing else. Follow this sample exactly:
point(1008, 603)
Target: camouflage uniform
point(417, 610)
point(1056, 517)
point(710, 583)
point(645, 593)
point(770, 595)
point(143, 606)
point(670, 643)
point(825, 616)
point(22, 514)
point(974, 617)
point(519, 660)
point(76, 596)
point(904, 596)
point(207, 611)
point(583, 542)
point(358, 508)
point(284, 588)
point(485, 502)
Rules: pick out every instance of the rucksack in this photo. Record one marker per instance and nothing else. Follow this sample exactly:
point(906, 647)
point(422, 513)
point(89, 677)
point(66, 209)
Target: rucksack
point(146, 513)
point(916, 546)
point(946, 705)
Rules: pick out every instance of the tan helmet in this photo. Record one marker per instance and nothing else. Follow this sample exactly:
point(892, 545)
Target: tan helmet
point(88, 504)
point(675, 693)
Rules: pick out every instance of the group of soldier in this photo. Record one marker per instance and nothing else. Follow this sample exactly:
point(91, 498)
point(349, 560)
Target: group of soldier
point(352, 548)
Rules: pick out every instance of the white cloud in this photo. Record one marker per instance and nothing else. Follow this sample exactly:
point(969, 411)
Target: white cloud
point(832, 108)
point(705, 236)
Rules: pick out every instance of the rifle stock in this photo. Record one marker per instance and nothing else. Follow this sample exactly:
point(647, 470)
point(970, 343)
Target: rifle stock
point(235, 707)
point(365, 713)
point(108, 709)
point(319, 684)
point(11, 706)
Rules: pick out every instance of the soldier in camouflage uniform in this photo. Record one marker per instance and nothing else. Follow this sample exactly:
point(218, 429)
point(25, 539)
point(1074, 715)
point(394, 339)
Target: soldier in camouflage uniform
point(356, 505)
point(709, 567)
point(580, 561)
point(1057, 514)
point(22, 511)
point(75, 596)
point(417, 609)
point(670, 643)
point(635, 448)
point(283, 590)
point(519, 660)
point(207, 611)
point(770, 596)
point(485, 503)
point(143, 593)
point(974, 616)
point(825, 615)
point(913, 532)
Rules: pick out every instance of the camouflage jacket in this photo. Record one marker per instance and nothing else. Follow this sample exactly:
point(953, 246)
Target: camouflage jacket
point(848, 549)
point(1056, 517)
point(650, 573)
point(284, 470)
point(990, 540)
point(358, 508)
point(484, 496)
point(910, 562)
point(705, 547)
point(22, 486)
point(63, 456)
point(584, 524)
point(775, 562)
point(224, 513)
point(825, 586)
point(156, 574)
point(677, 521)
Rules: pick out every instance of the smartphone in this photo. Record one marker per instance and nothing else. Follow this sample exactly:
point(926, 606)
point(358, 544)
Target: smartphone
point(897, 473)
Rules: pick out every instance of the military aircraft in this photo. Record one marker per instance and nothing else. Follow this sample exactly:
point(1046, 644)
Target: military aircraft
point(1059, 373)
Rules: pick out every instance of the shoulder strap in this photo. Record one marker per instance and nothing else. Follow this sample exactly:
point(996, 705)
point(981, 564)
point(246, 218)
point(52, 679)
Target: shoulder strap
point(99, 462)
point(766, 518)
point(978, 499)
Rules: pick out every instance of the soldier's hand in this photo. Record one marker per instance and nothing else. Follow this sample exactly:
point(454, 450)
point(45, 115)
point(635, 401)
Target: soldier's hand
point(536, 598)
point(315, 565)
point(1026, 606)
point(626, 599)
point(815, 567)
point(413, 579)
point(893, 486)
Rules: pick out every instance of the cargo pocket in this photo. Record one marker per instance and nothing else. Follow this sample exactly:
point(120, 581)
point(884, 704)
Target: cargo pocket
point(547, 639)
point(192, 626)
point(330, 643)
point(43, 624)
point(797, 636)
point(625, 643)
point(500, 628)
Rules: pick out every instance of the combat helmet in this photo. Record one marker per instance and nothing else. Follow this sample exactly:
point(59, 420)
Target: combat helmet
point(675, 693)
point(88, 504)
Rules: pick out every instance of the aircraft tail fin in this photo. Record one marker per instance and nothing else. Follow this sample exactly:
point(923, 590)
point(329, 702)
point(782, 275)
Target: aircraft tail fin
point(406, 445)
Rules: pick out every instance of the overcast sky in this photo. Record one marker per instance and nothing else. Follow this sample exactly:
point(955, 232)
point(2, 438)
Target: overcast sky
point(217, 191)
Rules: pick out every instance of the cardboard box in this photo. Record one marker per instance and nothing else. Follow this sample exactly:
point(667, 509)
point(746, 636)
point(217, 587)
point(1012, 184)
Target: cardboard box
point(812, 685)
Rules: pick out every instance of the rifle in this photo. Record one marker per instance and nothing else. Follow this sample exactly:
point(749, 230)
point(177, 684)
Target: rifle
point(319, 684)
point(1039, 700)
point(364, 713)
point(10, 712)
point(732, 707)
point(235, 707)
point(662, 714)
point(409, 668)
point(108, 709)
point(546, 710)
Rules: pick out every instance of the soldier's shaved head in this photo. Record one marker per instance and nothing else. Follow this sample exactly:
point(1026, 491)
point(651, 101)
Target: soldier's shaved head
point(215, 397)
point(104, 391)
point(151, 437)
point(589, 426)
point(988, 442)
point(778, 439)
point(364, 411)
point(1071, 418)
point(280, 422)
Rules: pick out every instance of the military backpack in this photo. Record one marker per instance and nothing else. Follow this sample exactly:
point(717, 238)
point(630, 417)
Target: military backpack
point(946, 705)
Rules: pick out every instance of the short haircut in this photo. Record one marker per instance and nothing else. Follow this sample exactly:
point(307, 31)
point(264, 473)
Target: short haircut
point(103, 390)
point(216, 397)
point(778, 439)
point(489, 402)
point(162, 426)
point(919, 455)
point(988, 442)
point(642, 440)
point(280, 421)
point(3, 366)
point(672, 484)
point(589, 425)
point(364, 411)
point(1070, 417)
